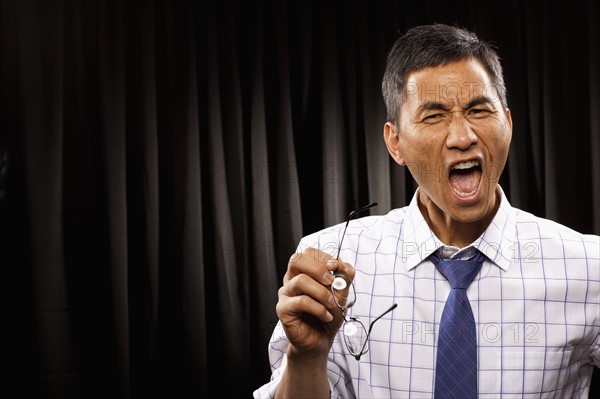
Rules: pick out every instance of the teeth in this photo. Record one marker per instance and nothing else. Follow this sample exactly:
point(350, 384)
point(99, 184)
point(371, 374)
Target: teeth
point(466, 165)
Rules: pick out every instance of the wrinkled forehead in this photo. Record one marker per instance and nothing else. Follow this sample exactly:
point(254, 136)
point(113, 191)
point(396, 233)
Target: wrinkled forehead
point(455, 83)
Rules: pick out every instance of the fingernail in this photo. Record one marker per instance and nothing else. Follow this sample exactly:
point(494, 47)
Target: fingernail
point(329, 316)
point(331, 263)
point(328, 278)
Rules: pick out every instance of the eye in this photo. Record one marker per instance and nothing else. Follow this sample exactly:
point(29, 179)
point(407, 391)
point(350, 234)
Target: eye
point(479, 112)
point(433, 118)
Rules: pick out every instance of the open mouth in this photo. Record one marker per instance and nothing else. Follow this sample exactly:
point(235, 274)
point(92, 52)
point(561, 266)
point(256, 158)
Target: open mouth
point(465, 177)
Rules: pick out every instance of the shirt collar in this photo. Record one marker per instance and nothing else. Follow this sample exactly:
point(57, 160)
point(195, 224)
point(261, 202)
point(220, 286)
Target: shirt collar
point(496, 242)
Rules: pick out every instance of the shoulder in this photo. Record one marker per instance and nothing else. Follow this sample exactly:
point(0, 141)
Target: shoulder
point(532, 228)
point(367, 228)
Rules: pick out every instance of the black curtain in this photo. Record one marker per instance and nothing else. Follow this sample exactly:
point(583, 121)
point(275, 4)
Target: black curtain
point(163, 158)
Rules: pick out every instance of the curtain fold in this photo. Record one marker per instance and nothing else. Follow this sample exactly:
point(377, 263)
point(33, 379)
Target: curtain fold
point(111, 75)
point(378, 162)
point(593, 35)
point(287, 206)
point(143, 189)
point(40, 81)
point(166, 157)
point(230, 336)
point(181, 188)
point(263, 283)
point(334, 132)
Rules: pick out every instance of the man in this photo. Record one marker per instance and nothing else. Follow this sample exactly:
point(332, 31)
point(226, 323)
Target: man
point(533, 295)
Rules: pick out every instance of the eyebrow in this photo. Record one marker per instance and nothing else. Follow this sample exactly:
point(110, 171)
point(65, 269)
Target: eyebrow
point(436, 105)
point(433, 105)
point(479, 100)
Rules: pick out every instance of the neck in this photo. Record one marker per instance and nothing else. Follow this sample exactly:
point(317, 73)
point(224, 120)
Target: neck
point(450, 231)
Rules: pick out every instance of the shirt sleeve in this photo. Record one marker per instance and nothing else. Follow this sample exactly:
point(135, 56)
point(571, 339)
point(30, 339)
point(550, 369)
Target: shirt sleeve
point(593, 255)
point(596, 351)
point(340, 384)
point(277, 358)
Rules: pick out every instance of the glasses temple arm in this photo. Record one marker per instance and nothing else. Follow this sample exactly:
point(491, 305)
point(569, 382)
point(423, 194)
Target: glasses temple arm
point(350, 216)
point(362, 350)
point(383, 314)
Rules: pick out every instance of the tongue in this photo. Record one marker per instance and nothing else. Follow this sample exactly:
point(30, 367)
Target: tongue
point(465, 182)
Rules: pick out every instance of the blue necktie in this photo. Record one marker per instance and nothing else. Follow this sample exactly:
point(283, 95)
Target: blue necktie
point(456, 368)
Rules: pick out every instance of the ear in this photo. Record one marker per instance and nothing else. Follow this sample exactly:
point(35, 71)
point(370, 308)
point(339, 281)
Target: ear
point(392, 141)
point(508, 119)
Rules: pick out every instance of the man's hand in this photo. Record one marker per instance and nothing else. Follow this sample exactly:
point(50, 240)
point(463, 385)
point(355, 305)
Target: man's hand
point(306, 307)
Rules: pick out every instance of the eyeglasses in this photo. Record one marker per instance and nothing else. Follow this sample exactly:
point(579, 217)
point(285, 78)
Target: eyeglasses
point(356, 336)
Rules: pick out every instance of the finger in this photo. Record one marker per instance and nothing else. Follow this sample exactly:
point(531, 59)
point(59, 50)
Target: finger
point(290, 273)
point(303, 284)
point(314, 263)
point(346, 269)
point(292, 307)
point(342, 287)
point(343, 276)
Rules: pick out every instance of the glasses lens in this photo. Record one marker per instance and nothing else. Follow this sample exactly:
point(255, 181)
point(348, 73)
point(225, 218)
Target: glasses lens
point(343, 291)
point(355, 336)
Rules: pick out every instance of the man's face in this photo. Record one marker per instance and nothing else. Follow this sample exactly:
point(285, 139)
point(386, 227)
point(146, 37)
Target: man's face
point(453, 135)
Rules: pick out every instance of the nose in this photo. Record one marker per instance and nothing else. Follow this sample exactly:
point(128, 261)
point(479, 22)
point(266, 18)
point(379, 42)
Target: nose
point(460, 134)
